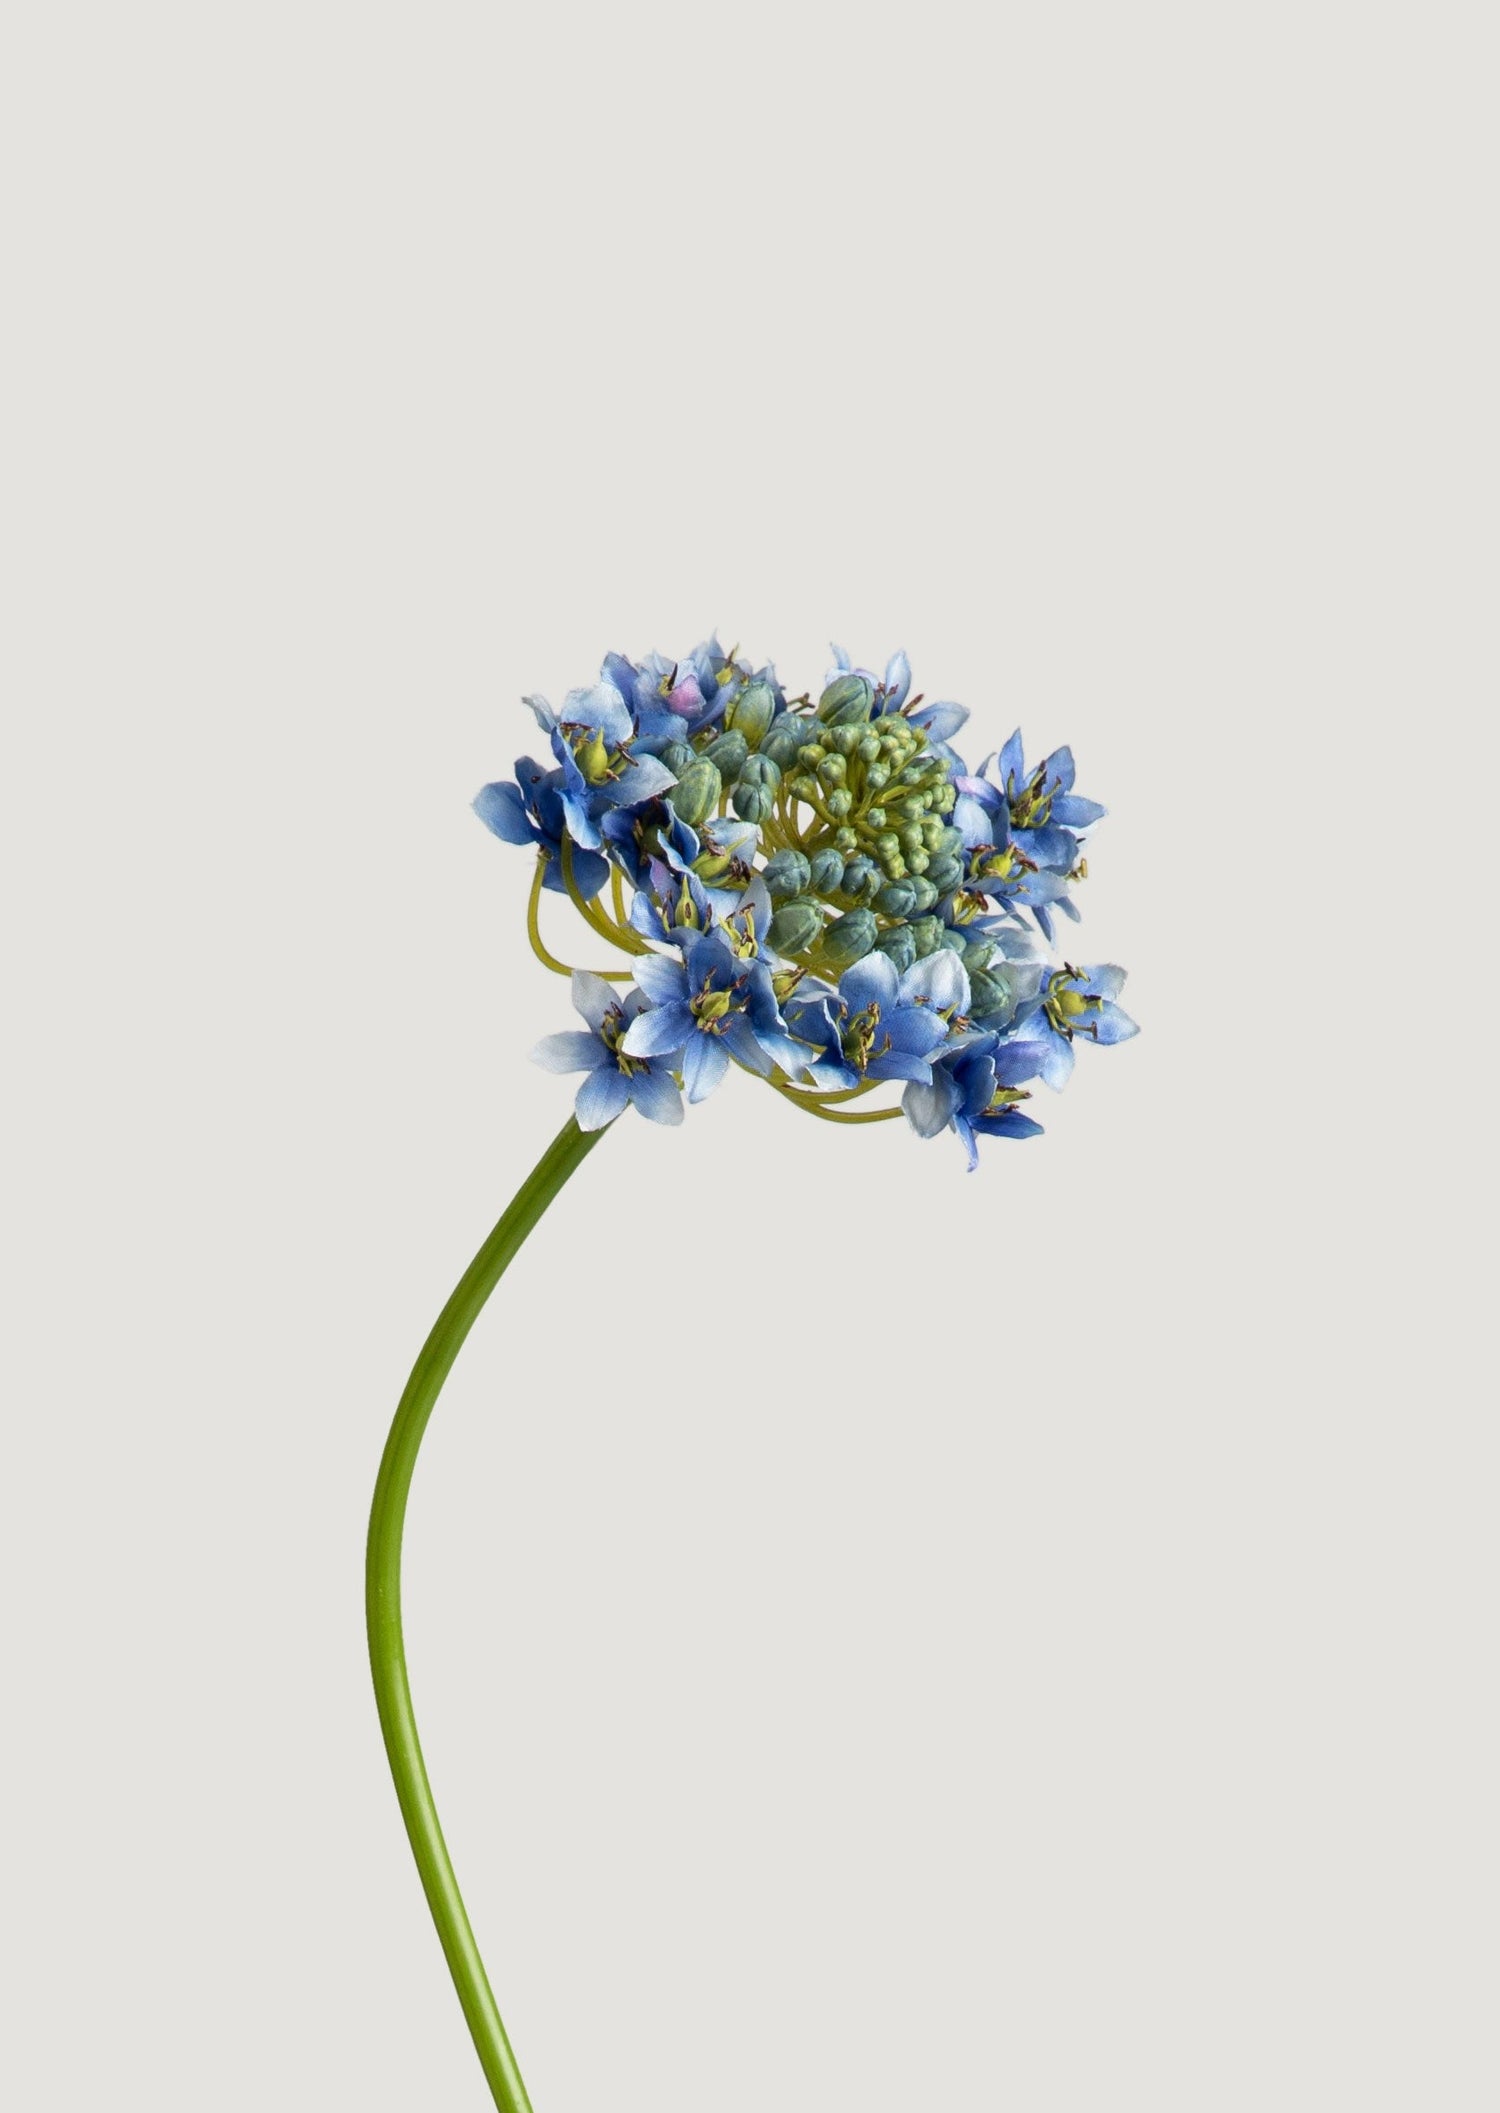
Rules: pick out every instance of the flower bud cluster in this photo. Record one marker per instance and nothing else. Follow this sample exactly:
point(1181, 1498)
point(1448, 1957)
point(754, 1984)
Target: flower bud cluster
point(819, 892)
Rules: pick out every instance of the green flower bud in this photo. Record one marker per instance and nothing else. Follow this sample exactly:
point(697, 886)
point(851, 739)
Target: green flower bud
point(795, 928)
point(752, 712)
point(911, 837)
point(843, 740)
point(727, 754)
point(869, 748)
point(916, 861)
point(833, 770)
point(945, 872)
point(696, 794)
point(846, 702)
point(899, 944)
point(952, 940)
point(827, 872)
point(896, 899)
point(978, 954)
point(877, 777)
point(786, 874)
point(875, 819)
point(924, 894)
point(987, 994)
point(840, 802)
point(811, 754)
point(849, 938)
point(861, 877)
point(751, 801)
point(677, 756)
point(950, 843)
point(785, 738)
point(932, 834)
point(927, 933)
point(846, 840)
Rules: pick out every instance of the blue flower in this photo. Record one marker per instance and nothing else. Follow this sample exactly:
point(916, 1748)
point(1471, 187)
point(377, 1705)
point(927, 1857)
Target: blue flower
point(1075, 1002)
point(975, 1091)
point(712, 1006)
point(591, 739)
point(880, 1024)
point(531, 811)
point(616, 1080)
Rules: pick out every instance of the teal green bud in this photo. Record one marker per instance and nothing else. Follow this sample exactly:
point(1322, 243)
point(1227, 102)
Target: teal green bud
point(811, 754)
point(896, 899)
point(850, 937)
point(869, 748)
point(952, 940)
point(875, 819)
point(978, 954)
point(785, 738)
point(877, 777)
point(916, 861)
point(754, 794)
point(677, 756)
point(899, 944)
point(795, 927)
point(846, 840)
point(950, 843)
point(927, 933)
point(833, 770)
point(840, 802)
point(827, 872)
point(924, 894)
point(843, 740)
point(787, 874)
point(861, 877)
point(727, 754)
point(945, 872)
point(987, 993)
point(845, 702)
point(696, 794)
point(910, 835)
point(752, 712)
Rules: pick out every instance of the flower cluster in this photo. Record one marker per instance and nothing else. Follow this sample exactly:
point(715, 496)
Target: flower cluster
point(823, 894)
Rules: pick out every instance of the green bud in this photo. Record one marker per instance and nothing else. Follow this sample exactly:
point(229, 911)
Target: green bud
point(751, 801)
point(833, 770)
point(924, 894)
point(877, 777)
point(875, 819)
point(896, 899)
point(927, 933)
point(794, 928)
point(849, 938)
point(843, 740)
point(910, 835)
point(861, 877)
point(945, 872)
point(677, 756)
point(811, 754)
point(827, 872)
point(950, 842)
point(987, 994)
point(696, 794)
point(846, 840)
point(785, 738)
point(978, 954)
point(932, 834)
point(845, 702)
point(786, 875)
point(727, 754)
point(752, 712)
point(916, 861)
point(899, 944)
point(840, 802)
point(869, 748)
point(950, 939)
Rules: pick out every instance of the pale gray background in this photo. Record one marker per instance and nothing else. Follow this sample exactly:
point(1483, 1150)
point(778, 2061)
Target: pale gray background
point(1057, 1677)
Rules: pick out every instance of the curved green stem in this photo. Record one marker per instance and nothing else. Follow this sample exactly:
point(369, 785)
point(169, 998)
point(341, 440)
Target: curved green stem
point(383, 1606)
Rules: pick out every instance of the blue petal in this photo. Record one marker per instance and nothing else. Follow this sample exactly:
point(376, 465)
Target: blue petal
point(642, 780)
point(662, 977)
point(704, 1063)
point(661, 1031)
point(573, 1051)
point(1016, 1062)
point(1056, 1067)
point(872, 981)
point(502, 809)
point(898, 1064)
point(1075, 812)
point(941, 980)
point(929, 1106)
point(655, 1096)
point(1104, 980)
point(942, 721)
point(1058, 770)
point(603, 1095)
point(1113, 1026)
point(1012, 768)
point(897, 681)
point(742, 1043)
point(602, 707)
point(590, 872)
point(593, 998)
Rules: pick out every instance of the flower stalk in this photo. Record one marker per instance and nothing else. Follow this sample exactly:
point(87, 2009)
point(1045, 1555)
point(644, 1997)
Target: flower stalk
point(563, 1156)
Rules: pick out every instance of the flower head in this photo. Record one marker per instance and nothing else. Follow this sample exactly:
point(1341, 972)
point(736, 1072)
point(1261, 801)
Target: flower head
point(821, 892)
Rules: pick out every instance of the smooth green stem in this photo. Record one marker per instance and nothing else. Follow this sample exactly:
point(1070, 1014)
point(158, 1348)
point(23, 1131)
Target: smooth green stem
point(383, 1606)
